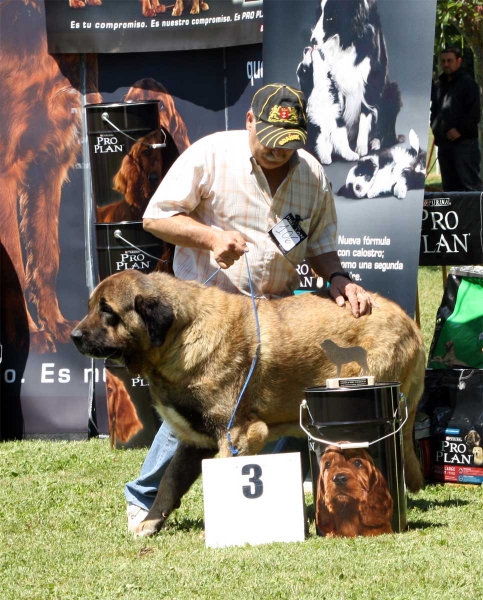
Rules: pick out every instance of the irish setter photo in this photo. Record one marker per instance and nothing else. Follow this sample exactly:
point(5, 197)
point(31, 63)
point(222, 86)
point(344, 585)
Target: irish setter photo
point(169, 118)
point(150, 8)
point(40, 121)
point(352, 495)
point(142, 170)
point(124, 422)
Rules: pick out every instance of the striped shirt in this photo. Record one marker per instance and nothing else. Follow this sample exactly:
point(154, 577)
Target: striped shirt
point(219, 183)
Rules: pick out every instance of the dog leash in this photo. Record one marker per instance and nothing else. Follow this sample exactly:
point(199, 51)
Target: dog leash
point(105, 117)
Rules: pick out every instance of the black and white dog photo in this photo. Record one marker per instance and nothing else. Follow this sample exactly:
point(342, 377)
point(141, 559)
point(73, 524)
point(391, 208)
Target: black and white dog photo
point(345, 77)
point(390, 171)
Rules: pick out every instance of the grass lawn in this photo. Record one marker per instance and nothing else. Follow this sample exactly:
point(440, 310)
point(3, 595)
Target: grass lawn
point(63, 535)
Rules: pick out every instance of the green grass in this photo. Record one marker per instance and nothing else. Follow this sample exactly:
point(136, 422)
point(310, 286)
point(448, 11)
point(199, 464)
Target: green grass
point(63, 535)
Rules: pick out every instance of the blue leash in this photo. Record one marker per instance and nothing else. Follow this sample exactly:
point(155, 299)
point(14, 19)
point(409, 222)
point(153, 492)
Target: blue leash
point(233, 450)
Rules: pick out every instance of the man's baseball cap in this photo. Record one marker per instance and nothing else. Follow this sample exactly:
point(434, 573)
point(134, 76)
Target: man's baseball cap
point(281, 116)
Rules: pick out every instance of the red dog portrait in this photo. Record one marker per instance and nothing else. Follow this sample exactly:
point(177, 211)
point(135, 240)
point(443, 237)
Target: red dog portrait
point(352, 495)
point(169, 118)
point(142, 170)
point(123, 418)
point(40, 140)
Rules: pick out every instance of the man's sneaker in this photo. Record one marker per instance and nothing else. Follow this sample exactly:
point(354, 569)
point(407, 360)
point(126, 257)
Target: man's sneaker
point(135, 514)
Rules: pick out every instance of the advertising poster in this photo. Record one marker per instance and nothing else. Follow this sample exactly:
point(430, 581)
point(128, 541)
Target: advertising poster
point(365, 67)
point(151, 25)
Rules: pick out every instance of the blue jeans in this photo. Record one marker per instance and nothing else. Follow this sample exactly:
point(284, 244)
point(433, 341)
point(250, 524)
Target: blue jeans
point(142, 491)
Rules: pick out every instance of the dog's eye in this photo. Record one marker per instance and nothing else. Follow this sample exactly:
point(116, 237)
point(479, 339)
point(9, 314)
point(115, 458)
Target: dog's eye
point(147, 152)
point(358, 463)
point(160, 105)
point(327, 464)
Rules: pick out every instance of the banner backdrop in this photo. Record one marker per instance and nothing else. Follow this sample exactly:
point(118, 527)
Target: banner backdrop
point(149, 25)
point(452, 229)
point(365, 67)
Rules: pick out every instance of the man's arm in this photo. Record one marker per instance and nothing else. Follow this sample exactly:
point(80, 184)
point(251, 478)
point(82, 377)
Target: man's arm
point(183, 230)
point(341, 287)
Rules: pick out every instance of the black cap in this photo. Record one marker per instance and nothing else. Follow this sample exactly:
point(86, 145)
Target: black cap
point(281, 117)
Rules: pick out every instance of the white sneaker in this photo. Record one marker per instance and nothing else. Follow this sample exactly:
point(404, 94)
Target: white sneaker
point(135, 514)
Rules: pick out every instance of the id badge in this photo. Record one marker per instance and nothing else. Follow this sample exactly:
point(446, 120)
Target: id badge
point(287, 233)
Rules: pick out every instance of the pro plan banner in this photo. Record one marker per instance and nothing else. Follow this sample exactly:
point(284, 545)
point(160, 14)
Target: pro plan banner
point(151, 25)
point(365, 67)
point(452, 229)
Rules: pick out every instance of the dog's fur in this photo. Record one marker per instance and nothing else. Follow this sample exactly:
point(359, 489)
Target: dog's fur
point(123, 418)
point(350, 38)
point(196, 6)
point(392, 171)
point(352, 495)
point(169, 118)
point(40, 121)
point(142, 170)
point(194, 344)
point(342, 356)
point(472, 439)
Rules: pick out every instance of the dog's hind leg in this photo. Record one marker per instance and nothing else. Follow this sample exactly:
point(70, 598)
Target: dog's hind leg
point(182, 472)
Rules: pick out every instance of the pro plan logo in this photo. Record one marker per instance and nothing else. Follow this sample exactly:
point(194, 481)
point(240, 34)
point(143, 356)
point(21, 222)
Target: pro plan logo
point(132, 259)
point(105, 144)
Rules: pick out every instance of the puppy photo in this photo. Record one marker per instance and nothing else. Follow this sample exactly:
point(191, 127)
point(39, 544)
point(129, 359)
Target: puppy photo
point(142, 170)
point(478, 456)
point(349, 66)
point(352, 495)
point(392, 171)
point(472, 439)
point(194, 345)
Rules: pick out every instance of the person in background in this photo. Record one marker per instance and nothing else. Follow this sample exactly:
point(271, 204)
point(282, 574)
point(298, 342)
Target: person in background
point(226, 196)
point(455, 114)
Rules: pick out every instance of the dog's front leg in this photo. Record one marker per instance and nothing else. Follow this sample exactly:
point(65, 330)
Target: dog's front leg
point(182, 472)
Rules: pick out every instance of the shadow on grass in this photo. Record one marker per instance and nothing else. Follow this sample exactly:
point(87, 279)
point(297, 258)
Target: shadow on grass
point(426, 505)
point(185, 524)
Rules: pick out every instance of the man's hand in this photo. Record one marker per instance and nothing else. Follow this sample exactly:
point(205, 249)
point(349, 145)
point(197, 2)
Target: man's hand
point(360, 300)
point(227, 247)
point(453, 134)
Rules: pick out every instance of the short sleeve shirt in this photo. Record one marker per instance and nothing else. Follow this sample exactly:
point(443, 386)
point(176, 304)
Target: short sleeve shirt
point(219, 183)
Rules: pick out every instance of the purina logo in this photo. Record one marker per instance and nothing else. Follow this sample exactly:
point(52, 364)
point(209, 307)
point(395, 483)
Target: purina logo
point(437, 202)
point(132, 259)
point(107, 144)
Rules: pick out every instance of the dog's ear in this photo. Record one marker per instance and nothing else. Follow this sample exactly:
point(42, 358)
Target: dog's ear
point(157, 316)
point(378, 507)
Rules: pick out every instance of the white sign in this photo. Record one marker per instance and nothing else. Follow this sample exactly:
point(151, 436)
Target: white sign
point(253, 500)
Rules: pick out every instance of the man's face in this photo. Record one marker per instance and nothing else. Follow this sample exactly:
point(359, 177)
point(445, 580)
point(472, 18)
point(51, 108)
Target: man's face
point(267, 158)
point(450, 63)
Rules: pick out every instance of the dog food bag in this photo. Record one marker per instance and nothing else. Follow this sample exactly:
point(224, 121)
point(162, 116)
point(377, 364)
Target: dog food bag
point(458, 337)
point(453, 400)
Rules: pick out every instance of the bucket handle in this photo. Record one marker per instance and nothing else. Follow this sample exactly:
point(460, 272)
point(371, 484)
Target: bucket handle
point(346, 445)
point(118, 235)
point(105, 117)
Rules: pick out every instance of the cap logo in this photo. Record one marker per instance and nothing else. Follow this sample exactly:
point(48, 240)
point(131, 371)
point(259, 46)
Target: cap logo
point(283, 114)
point(289, 138)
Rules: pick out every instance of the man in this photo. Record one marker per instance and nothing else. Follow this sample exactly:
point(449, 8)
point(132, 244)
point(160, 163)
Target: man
point(229, 194)
point(455, 114)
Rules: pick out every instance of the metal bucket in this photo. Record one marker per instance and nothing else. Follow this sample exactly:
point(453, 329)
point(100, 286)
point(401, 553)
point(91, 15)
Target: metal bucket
point(124, 246)
point(133, 422)
point(356, 458)
point(117, 135)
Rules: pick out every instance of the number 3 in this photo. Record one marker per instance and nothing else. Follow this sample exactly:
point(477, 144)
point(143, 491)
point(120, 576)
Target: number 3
point(257, 490)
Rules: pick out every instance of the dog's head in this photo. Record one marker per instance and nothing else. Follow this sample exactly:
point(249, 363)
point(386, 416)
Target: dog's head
point(472, 438)
point(351, 486)
point(360, 178)
point(144, 167)
point(169, 118)
point(128, 316)
point(344, 23)
point(478, 455)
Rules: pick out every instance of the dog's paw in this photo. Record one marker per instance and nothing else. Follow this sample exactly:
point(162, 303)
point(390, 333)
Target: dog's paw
point(362, 150)
point(148, 527)
point(376, 144)
point(400, 189)
point(350, 156)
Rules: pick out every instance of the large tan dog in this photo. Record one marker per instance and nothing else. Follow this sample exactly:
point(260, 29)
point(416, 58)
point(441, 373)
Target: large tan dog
point(195, 346)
